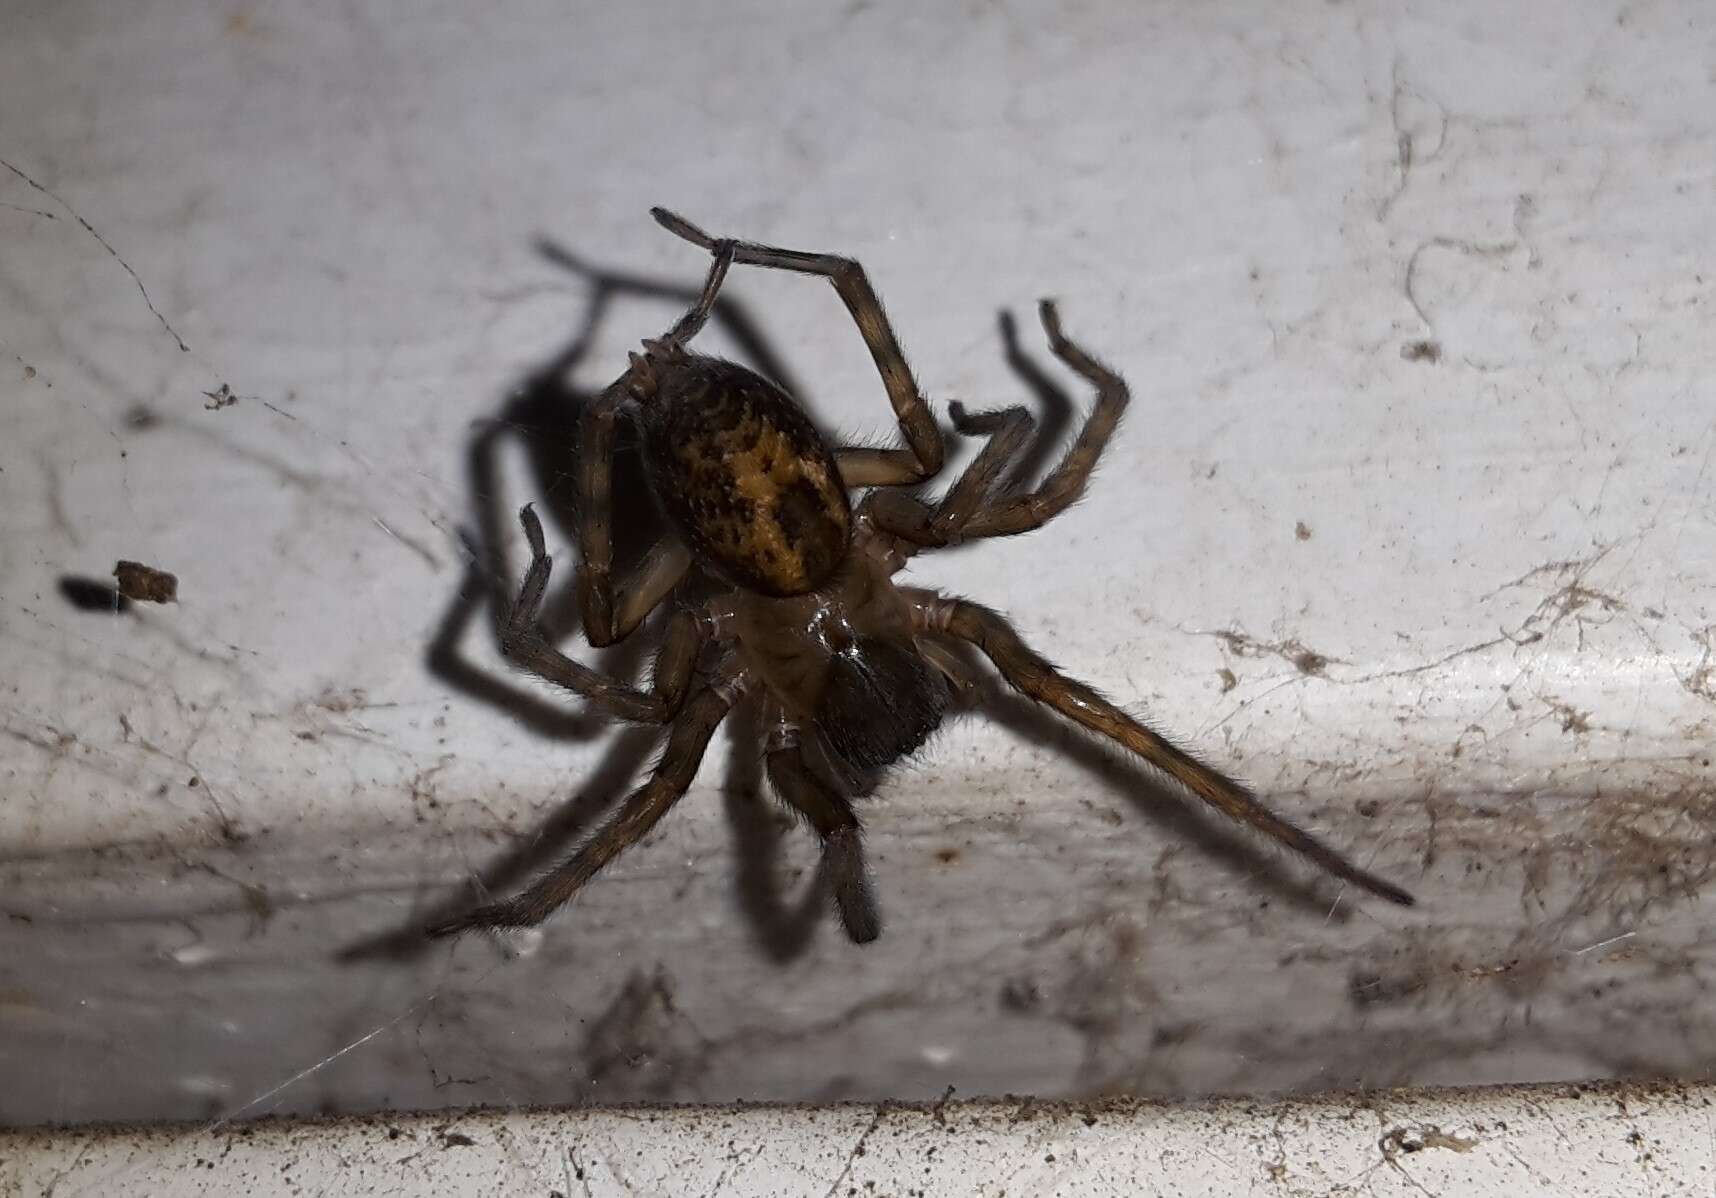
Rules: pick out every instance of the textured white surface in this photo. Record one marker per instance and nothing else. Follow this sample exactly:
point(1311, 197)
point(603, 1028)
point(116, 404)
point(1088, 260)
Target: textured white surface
point(1600, 1141)
point(1410, 525)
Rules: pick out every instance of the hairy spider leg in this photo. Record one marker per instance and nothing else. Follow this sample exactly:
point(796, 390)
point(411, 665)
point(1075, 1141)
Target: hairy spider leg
point(920, 525)
point(963, 514)
point(689, 325)
point(1035, 677)
point(1066, 482)
point(523, 643)
point(1008, 429)
point(661, 569)
point(831, 814)
point(668, 561)
point(922, 457)
point(642, 810)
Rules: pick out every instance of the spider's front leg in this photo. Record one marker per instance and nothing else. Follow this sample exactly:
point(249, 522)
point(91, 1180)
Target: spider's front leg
point(923, 453)
point(594, 579)
point(523, 643)
point(609, 617)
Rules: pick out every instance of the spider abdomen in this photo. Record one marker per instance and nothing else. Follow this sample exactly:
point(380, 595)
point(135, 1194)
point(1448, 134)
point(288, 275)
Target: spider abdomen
point(744, 475)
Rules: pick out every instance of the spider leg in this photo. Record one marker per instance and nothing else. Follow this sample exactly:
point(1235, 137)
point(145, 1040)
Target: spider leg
point(595, 516)
point(595, 587)
point(661, 569)
point(1032, 675)
point(523, 643)
point(1007, 430)
point(692, 322)
point(969, 511)
point(831, 814)
point(917, 524)
point(653, 580)
point(968, 685)
point(1066, 482)
point(924, 451)
point(665, 566)
point(640, 812)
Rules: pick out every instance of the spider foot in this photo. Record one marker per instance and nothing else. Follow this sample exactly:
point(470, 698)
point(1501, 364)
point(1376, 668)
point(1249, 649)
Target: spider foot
point(490, 918)
point(1074, 355)
point(976, 424)
point(533, 531)
point(1049, 313)
point(521, 621)
point(843, 858)
point(680, 227)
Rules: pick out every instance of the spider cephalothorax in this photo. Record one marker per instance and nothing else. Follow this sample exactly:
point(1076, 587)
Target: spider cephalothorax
point(812, 623)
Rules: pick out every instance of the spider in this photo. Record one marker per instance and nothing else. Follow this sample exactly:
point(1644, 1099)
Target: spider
point(849, 665)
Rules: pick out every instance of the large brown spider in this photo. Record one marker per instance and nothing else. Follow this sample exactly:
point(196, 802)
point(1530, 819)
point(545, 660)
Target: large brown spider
point(842, 655)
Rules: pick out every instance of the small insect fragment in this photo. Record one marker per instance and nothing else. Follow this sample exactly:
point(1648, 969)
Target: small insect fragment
point(146, 584)
point(222, 398)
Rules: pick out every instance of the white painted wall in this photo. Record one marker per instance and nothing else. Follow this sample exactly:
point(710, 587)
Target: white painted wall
point(1410, 525)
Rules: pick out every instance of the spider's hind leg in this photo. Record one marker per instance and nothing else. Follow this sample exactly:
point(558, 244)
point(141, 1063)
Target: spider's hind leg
point(831, 814)
point(1032, 675)
point(641, 811)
